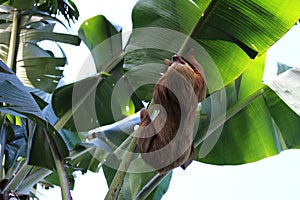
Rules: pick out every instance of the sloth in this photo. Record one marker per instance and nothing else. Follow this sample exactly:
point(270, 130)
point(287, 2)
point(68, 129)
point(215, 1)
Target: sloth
point(167, 142)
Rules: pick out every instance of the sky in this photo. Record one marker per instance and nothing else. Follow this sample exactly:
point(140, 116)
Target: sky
point(273, 178)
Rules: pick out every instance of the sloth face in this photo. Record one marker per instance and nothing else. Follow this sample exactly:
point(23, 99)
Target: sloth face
point(178, 60)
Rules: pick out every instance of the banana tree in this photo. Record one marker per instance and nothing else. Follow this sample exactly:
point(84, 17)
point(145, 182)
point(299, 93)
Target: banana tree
point(31, 148)
point(241, 120)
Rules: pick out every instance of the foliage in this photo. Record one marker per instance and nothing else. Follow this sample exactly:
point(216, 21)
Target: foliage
point(30, 145)
point(241, 120)
point(237, 124)
point(65, 7)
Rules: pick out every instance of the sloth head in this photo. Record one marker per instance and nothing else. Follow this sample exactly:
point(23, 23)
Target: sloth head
point(187, 65)
point(189, 62)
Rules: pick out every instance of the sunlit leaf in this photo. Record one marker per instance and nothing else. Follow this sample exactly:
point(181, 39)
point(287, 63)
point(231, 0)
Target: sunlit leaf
point(103, 39)
point(222, 31)
point(250, 133)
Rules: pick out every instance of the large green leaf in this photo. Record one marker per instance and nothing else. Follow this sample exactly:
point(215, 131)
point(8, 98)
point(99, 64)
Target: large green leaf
point(42, 140)
point(16, 100)
point(221, 30)
point(108, 92)
point(36, 67)
point(259, 130)
point(96, 94)
point(43, 72)
point(225, 49)
point(103, 39)
point(248, 135)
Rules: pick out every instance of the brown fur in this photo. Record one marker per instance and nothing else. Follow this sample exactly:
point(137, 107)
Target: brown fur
point(166, 142)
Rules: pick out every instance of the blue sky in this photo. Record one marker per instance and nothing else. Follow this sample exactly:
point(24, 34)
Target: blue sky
point(273, 178)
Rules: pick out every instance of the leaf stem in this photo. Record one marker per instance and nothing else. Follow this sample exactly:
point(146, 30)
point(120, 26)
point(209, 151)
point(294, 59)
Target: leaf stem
point(2, 148)
point(60, 169)
point(150, 186)
point(117, 182)
point(36, 175)
point(12, 53)
point(15, 181)
point(197, 27)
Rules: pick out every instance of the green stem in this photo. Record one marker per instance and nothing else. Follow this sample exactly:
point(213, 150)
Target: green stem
point(60, 169)
point(150, 186)
point(117, 182)
point(15, 181)
point(197, 26)
point(35, 176)
point(13, 47)
point(63, 179)
point(2, 148)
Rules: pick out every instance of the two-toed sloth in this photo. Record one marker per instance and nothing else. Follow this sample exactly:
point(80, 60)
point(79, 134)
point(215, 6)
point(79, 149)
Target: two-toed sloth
point(167, 141)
